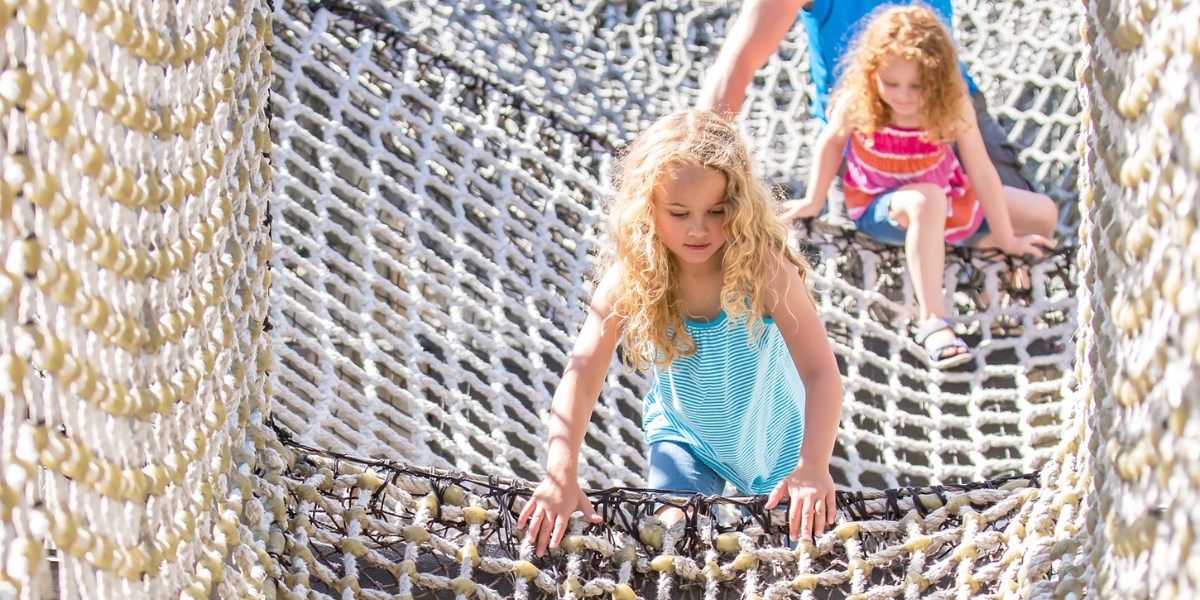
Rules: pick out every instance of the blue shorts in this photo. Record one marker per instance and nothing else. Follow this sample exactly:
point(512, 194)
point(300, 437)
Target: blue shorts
point(876, 223)
point(673, 466)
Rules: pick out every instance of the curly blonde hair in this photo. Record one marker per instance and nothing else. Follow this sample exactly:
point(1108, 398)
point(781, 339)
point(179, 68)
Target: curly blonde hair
point(646, 301)
point(913, 33)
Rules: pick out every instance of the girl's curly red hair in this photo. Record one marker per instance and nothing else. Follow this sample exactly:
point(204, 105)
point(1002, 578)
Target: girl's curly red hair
point(913, 33)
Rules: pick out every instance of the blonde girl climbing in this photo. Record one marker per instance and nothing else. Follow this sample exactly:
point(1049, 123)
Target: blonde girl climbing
point(701, 291)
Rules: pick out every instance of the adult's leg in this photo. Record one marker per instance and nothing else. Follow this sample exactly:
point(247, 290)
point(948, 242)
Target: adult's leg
point(673, 466)
point(1003, 153)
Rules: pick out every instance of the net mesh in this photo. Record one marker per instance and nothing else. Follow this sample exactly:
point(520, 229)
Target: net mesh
point(437, 210)
point(427, 532)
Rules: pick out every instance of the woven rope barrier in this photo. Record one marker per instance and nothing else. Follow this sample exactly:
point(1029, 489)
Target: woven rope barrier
point(438, 216)
point(383, 529)
point(134, 291)
point(1141, 329)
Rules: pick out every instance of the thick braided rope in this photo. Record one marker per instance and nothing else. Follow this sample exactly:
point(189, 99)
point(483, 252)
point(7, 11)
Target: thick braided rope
point(370, 529)
point(1114, 517)
point(1141, 314)
point(437, 205)
point(133, 373)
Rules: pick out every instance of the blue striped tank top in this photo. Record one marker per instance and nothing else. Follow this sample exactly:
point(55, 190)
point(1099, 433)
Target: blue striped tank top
point(739, 404)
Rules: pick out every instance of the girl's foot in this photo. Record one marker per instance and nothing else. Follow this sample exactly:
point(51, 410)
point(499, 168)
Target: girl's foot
point(943, 348)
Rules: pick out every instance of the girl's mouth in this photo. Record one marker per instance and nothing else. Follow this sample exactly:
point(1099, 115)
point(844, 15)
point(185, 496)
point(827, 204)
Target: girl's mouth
point(696, 246)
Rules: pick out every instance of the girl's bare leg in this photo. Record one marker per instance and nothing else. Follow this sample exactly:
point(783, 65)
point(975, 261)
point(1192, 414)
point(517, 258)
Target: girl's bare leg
point(1030, 213)
point(921, 209)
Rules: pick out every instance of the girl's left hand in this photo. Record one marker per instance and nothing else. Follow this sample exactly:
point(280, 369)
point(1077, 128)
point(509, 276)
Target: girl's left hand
point(1027, 244)
point(813, 504)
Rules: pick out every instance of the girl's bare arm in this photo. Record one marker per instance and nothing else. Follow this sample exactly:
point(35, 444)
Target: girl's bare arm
point(990, 191)
point(984, 178)
point(827, 157)
point(559, 494)
point(810, 486)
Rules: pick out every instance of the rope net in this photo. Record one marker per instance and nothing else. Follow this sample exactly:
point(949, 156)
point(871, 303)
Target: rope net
point(437, 209)
point(134, 293)
point(424, 203)
point(387, 530)
point(1140, 334)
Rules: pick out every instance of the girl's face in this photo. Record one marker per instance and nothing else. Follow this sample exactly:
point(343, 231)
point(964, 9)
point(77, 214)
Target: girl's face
point(899, 83)
point(690, 212)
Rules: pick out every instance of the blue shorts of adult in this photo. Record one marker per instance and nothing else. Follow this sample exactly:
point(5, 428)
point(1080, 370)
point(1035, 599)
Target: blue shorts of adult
point(876, 223)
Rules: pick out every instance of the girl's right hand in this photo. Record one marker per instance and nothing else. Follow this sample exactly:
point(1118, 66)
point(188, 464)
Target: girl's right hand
point(549, 510)
point(800, 209)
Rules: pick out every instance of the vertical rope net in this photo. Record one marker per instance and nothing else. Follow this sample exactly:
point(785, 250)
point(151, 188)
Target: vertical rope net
point(133, 374)
point(1140, 327)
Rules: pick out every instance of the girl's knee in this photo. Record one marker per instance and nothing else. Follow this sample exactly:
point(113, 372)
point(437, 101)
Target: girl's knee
point(1036, 213)
point(924, 201)
point(669, 515)
point(1049, 213)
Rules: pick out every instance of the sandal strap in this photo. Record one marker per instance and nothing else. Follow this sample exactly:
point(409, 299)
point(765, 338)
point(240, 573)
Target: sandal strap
point(936, 354)
point(931, 327)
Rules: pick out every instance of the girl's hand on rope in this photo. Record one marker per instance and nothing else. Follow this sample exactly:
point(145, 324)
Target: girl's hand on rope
point(812, 505)
point(1026, 244)
point(549, 511)
point(800, 209)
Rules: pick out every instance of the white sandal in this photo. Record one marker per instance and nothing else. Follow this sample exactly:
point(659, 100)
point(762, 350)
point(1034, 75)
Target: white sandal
point(936, 357)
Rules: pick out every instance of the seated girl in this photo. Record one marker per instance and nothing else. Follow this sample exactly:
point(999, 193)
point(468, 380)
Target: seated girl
point(900, 103)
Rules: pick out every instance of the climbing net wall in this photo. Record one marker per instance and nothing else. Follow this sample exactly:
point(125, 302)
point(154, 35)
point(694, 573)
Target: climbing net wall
point(438, 184)
point(376, 529)
point(1140, 338)
point(135, 178)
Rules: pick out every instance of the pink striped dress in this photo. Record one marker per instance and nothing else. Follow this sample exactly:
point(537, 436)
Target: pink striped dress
point(898, 157)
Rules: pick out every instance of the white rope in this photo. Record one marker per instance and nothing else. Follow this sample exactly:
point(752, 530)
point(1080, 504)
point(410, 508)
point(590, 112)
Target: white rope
point(133, 364)
point(437, 213)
